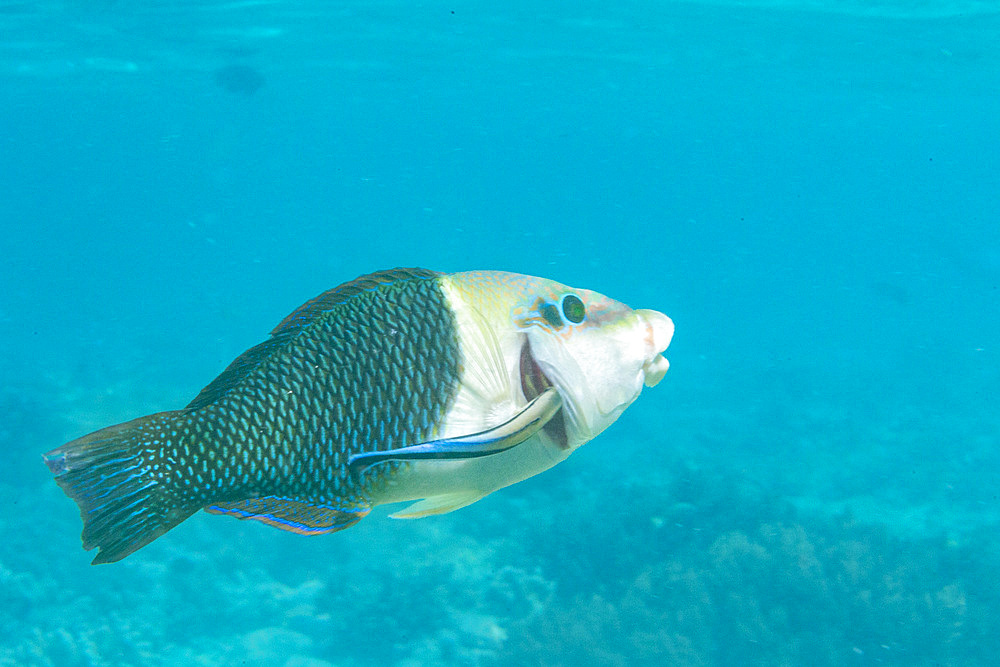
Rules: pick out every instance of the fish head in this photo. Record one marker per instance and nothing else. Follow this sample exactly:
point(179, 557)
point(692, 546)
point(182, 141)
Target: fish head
point(597, 352)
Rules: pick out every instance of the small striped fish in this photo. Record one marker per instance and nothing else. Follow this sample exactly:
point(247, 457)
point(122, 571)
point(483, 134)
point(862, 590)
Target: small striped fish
point(402, 385)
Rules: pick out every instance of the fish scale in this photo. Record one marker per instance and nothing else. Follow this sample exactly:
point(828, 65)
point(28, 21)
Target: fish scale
point(294, 453)
point(367, 366)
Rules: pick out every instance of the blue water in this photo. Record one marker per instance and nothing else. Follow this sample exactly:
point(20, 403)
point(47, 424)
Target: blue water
point(809, 190)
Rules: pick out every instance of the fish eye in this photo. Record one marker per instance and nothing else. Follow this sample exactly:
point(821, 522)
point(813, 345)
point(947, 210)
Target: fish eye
point(573, 308)
point(550, 314)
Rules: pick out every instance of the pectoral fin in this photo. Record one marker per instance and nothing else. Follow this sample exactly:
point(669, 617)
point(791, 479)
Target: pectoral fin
point(511, 433)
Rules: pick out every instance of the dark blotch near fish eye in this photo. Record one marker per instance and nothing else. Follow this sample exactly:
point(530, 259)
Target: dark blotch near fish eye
point(239, 79)
point(573, 308)
point(550, 314)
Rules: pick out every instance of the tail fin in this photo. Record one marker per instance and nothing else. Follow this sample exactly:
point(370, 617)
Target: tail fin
point(109, 474)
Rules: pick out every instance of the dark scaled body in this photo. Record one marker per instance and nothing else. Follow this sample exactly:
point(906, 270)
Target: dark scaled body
point(368, 366)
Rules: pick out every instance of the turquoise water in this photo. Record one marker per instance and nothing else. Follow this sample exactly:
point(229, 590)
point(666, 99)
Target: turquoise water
point(809, 190)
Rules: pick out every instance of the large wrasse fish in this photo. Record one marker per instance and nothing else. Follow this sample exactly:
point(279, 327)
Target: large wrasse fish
point(402, 385)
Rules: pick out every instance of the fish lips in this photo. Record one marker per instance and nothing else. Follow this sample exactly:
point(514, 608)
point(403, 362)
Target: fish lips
point(533, 383)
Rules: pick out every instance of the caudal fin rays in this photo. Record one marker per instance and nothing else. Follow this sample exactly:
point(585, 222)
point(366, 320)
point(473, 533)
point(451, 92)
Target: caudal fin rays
point(122, 503)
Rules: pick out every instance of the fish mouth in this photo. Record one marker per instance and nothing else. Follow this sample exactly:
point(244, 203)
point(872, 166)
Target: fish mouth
point(533, 383)
point(659, 332)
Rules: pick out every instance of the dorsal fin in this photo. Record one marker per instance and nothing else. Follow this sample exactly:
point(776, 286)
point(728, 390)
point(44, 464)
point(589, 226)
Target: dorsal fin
point(236, 371)
point(300, 318)
point(294, 515)
point(313, 308)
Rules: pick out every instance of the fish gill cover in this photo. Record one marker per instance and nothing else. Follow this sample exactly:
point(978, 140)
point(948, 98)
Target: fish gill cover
point(808, 189)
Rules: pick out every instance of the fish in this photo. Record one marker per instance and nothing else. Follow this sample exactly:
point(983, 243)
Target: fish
point(240, 79)
point(403, 385)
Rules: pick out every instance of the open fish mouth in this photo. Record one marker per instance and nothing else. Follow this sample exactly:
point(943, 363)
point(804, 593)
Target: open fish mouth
point(533, 383)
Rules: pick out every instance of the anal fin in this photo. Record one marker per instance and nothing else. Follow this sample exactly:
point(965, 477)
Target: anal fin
point(294, 515)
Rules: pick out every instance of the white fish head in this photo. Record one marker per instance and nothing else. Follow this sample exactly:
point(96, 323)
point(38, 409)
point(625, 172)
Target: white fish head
point(597, 352)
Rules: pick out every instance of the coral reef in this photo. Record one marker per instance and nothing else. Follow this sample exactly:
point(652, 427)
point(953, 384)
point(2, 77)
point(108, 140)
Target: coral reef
point(759, 585)
point(682, 559)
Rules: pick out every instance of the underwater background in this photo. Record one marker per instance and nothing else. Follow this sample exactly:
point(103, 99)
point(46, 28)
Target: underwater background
point(809, 189)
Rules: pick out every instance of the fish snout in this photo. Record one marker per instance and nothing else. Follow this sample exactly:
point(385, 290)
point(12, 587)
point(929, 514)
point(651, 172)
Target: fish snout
point(659, 331)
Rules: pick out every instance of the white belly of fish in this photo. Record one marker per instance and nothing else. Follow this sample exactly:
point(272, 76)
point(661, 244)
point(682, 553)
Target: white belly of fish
point(443, 486)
